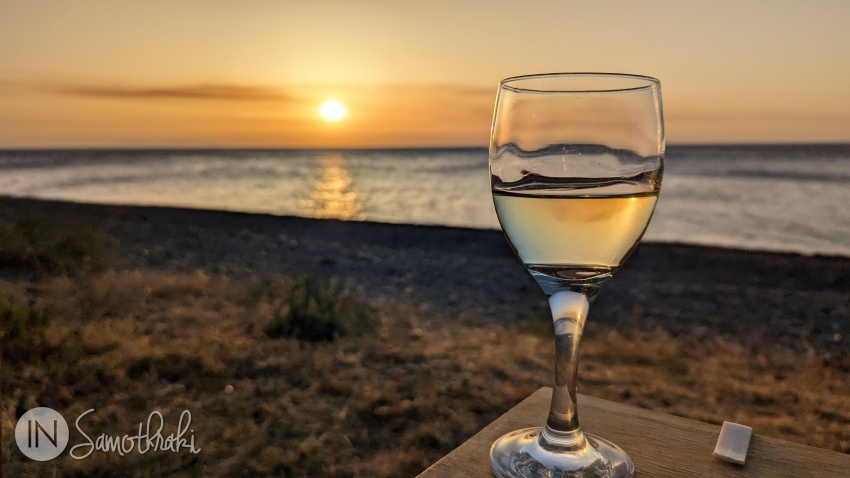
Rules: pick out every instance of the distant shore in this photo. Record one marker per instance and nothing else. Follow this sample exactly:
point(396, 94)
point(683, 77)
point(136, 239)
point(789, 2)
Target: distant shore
point(750, 297)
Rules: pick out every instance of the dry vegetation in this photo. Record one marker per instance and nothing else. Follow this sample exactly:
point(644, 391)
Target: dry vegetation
point(386, 399)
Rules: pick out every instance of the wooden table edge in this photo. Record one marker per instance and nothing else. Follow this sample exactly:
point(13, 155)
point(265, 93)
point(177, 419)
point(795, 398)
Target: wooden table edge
point(517, 417)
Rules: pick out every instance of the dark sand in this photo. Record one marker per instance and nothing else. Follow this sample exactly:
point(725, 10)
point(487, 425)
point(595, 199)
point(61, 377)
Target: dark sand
point(749, 297)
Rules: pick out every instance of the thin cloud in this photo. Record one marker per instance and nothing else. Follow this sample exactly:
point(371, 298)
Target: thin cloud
point(474, 91)
point(236, 92)
point(439, 89)
point(184, 92)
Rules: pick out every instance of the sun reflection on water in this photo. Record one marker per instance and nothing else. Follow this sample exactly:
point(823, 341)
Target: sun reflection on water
point(333, 196)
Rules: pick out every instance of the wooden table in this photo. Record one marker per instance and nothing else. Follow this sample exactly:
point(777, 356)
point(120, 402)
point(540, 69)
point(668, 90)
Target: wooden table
point(661, 445)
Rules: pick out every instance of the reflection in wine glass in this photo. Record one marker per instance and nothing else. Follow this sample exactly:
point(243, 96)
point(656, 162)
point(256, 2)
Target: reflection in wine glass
point(333, 195)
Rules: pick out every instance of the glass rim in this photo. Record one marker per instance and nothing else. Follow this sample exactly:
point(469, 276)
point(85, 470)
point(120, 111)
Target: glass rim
point(647, 82)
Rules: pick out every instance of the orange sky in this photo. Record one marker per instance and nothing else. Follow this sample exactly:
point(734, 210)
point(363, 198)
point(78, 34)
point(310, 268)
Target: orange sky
point(252, 73)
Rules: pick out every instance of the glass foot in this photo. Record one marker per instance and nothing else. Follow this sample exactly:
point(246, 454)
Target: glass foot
point(521, 454)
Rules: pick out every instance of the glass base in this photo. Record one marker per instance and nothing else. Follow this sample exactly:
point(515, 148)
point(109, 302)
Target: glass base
point(521, 454)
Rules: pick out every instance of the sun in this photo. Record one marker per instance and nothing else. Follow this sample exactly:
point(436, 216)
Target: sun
point(332, 110)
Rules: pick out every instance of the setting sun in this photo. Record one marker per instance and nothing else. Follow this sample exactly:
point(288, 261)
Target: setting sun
point(332, 110)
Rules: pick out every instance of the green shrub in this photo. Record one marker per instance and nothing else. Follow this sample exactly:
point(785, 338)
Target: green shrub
point(317, 310)
point(22, 331)
point(43, 245)
point(672, 362)
point(266, 288)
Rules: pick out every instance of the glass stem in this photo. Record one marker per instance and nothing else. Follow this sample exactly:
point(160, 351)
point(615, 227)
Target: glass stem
point(569, 312)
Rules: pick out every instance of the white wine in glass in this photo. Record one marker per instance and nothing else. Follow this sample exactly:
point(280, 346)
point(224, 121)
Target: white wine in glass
point(576, 162)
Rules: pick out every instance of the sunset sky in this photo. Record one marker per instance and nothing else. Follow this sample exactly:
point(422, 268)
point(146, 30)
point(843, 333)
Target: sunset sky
point(253, 73)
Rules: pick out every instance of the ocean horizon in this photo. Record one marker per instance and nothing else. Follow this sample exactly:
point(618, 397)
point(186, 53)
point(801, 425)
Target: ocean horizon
point(774, 197)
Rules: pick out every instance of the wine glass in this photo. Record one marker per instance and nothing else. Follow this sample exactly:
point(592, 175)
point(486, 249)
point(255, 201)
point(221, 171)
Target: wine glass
point(576, 161)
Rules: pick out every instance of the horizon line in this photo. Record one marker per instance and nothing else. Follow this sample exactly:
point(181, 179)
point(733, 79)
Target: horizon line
point(386, 148)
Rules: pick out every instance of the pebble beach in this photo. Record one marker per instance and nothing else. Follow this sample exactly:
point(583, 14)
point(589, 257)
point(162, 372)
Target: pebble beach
point(709, 333)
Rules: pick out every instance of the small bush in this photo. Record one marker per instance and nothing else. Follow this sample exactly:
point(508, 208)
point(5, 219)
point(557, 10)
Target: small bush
point(42, 245)
point(672, 362)
point(317, 310)
point(22, 331)
point(266, 288)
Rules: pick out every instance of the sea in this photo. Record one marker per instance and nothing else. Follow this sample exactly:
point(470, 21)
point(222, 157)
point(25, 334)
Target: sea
point(788, 198)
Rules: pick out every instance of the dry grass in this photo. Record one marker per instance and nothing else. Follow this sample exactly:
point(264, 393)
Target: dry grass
point(387, 403)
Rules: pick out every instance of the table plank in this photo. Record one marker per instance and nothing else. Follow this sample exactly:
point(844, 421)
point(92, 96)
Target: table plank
point(661, 445)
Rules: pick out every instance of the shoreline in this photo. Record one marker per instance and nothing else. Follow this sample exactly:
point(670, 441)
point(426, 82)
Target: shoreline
point(841, 145)
point(751, 297)
point(110, 207)
point(187, 209)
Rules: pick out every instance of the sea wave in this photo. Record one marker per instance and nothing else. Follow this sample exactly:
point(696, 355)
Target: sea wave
point(781, 198)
